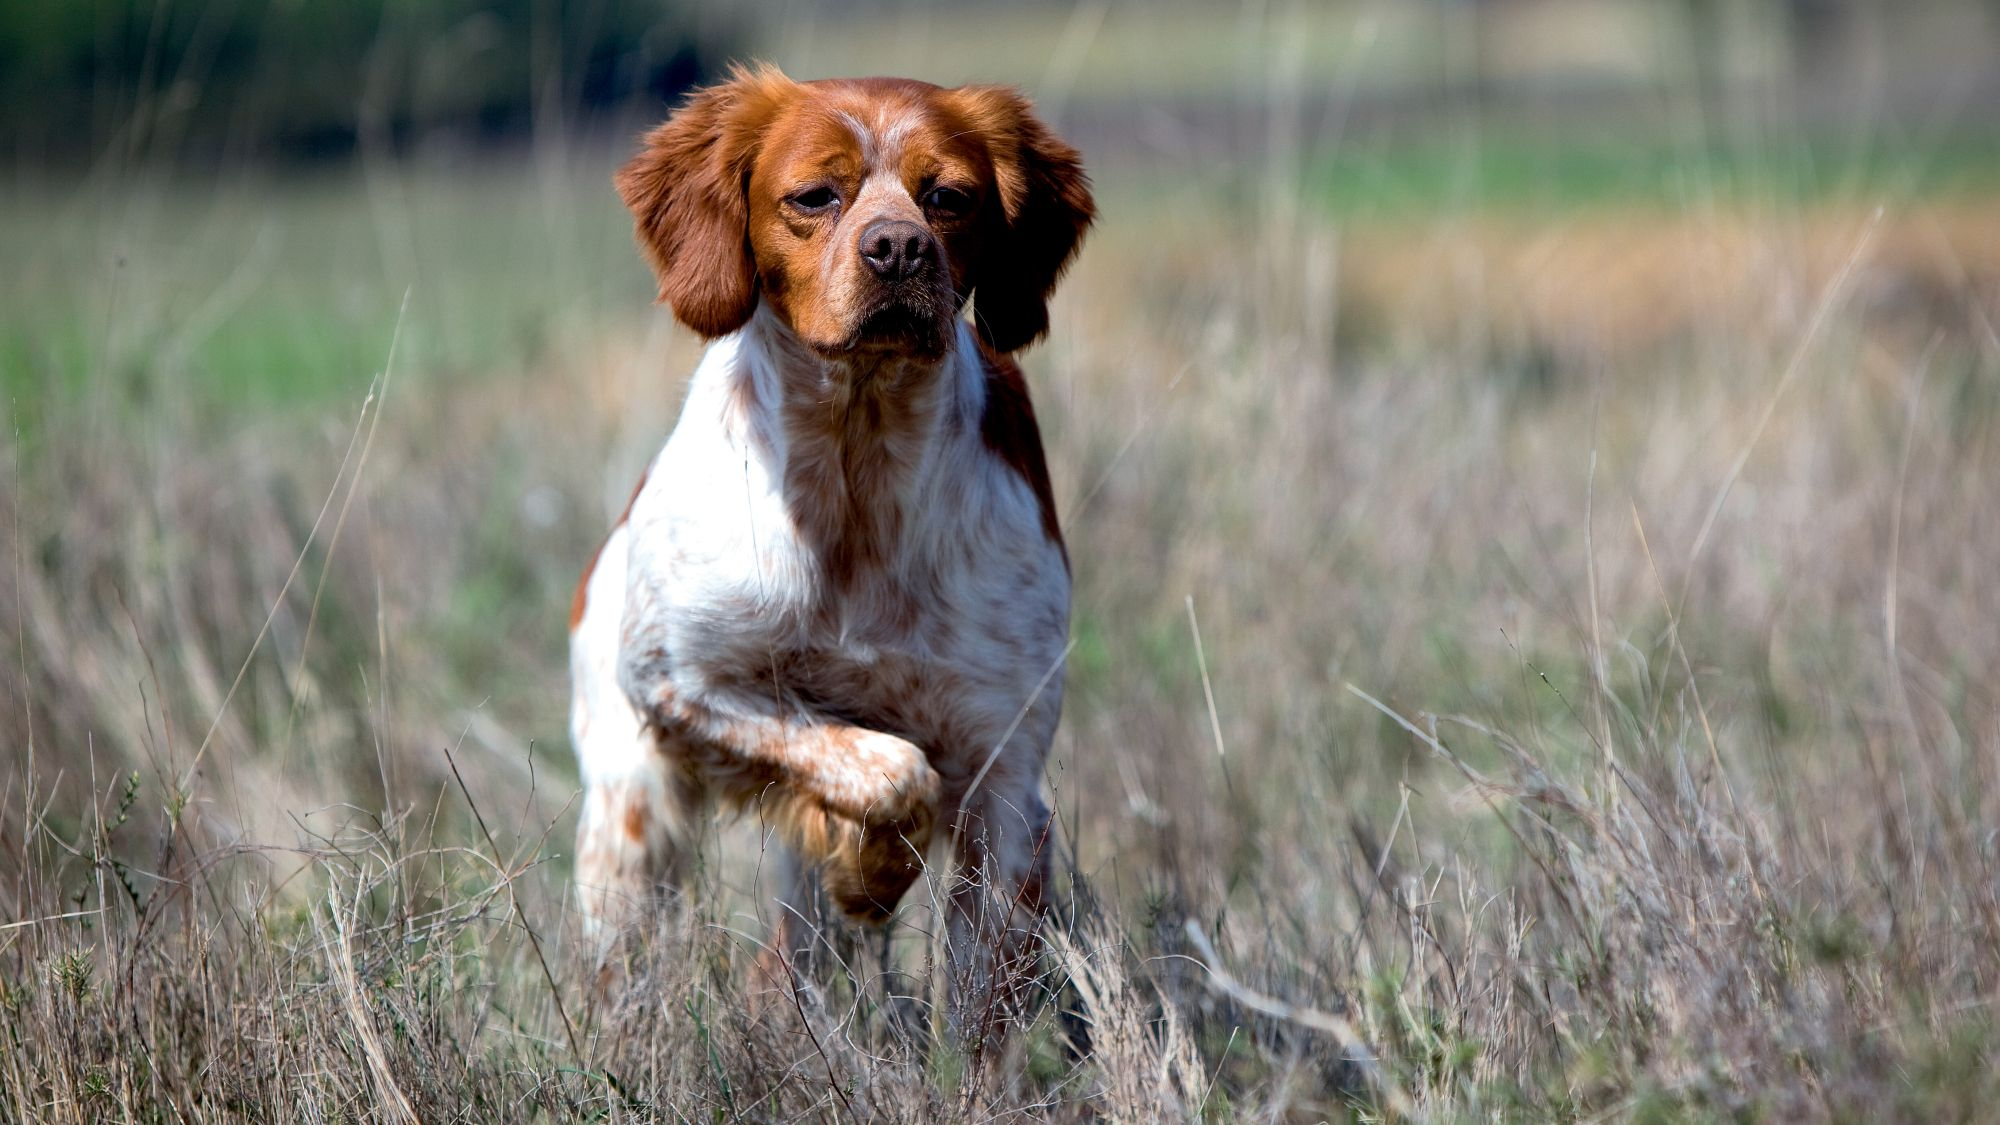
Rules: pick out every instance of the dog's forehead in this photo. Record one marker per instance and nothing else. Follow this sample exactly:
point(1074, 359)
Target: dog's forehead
point(883, 123)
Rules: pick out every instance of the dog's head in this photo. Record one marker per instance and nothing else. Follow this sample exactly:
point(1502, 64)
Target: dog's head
point(865, 212)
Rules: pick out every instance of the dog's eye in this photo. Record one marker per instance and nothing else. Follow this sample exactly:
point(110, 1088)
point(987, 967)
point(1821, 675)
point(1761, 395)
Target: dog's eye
point(815, 199)
point(948, 200)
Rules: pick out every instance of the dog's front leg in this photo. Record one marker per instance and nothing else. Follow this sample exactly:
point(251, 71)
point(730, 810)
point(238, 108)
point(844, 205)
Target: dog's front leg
point(859, 803)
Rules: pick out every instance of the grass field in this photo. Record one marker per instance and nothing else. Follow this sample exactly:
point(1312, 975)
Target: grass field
point(1535, 653)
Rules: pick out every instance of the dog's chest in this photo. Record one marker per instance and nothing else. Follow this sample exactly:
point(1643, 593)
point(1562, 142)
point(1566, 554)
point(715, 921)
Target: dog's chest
point(940, 638)
point(756, 569)
point(883, 645)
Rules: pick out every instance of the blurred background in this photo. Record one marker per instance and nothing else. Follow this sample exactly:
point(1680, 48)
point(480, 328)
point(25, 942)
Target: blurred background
point(1615, 382)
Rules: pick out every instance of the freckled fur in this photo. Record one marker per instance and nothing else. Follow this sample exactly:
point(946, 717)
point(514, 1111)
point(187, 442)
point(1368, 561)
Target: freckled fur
point(842, 580)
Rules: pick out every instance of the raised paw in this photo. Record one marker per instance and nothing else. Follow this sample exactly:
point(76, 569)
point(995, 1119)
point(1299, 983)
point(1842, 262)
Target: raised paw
point(890, 809)
point(877, 779)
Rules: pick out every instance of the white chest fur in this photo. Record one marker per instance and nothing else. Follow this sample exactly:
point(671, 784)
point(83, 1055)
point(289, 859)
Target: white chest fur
point(922, 597)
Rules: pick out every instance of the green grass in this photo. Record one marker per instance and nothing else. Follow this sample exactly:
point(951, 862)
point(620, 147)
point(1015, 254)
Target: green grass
point(275, 294)
point(1514, 169)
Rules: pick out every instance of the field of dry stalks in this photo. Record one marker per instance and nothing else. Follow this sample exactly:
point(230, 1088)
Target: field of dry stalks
point(1529, 667)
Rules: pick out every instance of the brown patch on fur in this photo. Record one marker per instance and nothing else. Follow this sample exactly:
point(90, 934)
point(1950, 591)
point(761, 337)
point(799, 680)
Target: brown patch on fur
point(580, 600)
point(635, 822)
point(1009, 430)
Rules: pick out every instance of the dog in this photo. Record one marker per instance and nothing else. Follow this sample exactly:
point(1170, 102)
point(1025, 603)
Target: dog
point(840, 594)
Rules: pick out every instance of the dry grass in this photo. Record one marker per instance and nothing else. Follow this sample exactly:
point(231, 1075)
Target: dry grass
point(1595, 712)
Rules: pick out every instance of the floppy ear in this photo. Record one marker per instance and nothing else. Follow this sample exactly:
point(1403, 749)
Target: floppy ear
point(1046, 206)
point(685, 190)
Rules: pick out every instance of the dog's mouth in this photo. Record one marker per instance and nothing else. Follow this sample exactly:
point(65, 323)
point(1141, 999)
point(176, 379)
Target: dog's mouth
point(897, 323)
point(911, 326)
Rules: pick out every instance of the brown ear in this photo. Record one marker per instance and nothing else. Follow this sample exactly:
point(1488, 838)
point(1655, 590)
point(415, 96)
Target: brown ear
point(686, 193)
point(1046, 206)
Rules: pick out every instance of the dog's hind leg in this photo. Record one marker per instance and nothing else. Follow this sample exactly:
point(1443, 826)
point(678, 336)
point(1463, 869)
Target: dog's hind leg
point(634, 839)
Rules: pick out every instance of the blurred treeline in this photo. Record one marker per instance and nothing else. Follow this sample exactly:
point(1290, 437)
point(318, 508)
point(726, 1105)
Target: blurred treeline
point(253, 80)
point(248, 80)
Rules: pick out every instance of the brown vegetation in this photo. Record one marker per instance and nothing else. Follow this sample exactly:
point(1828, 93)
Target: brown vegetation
point(1519, 673)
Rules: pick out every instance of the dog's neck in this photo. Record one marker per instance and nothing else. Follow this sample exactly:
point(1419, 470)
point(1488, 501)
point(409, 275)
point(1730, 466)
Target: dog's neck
point(857, 437)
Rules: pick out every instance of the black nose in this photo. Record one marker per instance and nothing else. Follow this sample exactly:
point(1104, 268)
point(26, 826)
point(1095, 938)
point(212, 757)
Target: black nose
point(896, 249)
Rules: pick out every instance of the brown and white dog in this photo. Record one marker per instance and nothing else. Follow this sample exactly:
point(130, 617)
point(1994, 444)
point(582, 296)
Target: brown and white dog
point(840, 595)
